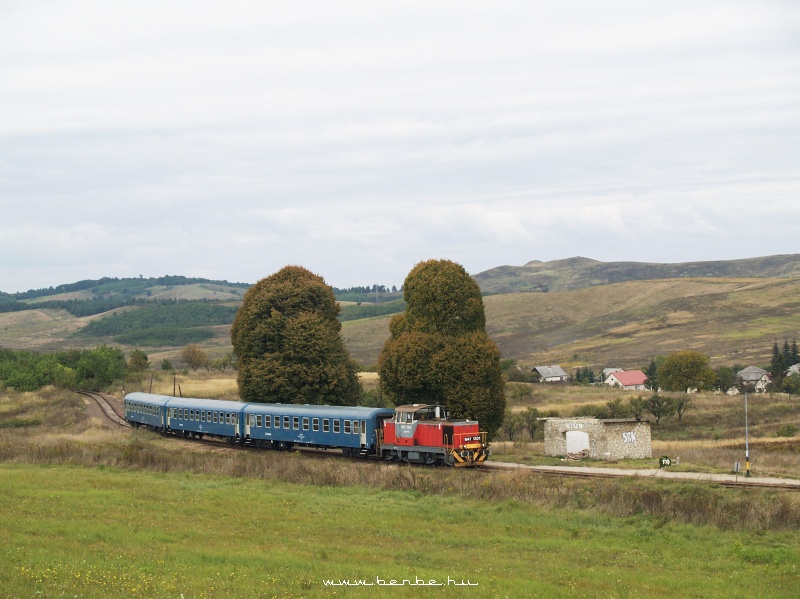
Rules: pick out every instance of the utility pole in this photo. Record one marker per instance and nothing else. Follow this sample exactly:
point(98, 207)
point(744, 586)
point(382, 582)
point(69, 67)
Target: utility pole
point(746, 439)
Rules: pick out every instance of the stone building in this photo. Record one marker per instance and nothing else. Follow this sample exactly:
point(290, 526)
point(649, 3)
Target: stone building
point(612, 439)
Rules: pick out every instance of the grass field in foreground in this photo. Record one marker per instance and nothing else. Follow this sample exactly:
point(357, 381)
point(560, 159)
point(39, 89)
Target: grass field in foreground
point(102, 532)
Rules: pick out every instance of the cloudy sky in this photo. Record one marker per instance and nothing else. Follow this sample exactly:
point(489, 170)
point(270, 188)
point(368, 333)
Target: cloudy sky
point(229, 139)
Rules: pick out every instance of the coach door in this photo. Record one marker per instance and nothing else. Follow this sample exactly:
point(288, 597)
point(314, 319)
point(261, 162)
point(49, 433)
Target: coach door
point(363, 433)
point(247, 421)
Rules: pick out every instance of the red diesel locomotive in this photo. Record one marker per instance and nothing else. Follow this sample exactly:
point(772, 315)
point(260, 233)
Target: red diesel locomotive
point(423, 434)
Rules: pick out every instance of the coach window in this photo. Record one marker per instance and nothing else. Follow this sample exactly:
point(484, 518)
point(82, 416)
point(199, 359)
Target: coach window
point(346, 427)
point(286, 423)
point(296, 423)
point(326, 425)
point(259, 420)
point(203, 416)
point(336, 426)
point(355, 427)
point(208, 416)
point(315, 425)
point(267, 421)
point(305, 424)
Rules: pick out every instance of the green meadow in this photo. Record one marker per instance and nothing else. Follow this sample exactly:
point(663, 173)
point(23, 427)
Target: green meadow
point(76, 531)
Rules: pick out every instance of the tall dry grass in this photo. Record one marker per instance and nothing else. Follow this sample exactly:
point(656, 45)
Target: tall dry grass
point(67, 433)
point(685, 502)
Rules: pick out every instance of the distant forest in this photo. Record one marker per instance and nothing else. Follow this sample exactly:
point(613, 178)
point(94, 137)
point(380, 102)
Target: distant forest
point(126, 286)
point(173, 322)
point(374, 294)
point(162, 324)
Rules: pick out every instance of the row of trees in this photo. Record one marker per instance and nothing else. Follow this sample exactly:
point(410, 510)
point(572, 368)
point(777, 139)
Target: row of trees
point(90, 370)
point(286, 337)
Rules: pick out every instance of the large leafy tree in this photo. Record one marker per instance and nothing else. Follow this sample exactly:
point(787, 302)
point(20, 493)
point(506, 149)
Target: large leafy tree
point(439, 352)
point(686, 370)
point(288, 344)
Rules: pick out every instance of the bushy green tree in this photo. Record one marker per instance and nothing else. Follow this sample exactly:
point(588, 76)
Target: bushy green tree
point(438, 350)
point(682, 405)
point(288, 343)
point(660, 406)
point(651, 371)
point(726, 378)
point(194, 357)
point(138, 361)
point(685, 370)
point(512, 425)
point(617, 409)
point(530, 420)
point(99, 368)
point(637, 406)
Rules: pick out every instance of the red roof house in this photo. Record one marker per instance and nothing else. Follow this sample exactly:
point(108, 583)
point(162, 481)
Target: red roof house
point(632, 380)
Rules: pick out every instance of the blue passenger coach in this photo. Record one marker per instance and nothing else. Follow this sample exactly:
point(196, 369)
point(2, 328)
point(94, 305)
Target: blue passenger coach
point(144, 409)
point(353, 429)
point(279, 426)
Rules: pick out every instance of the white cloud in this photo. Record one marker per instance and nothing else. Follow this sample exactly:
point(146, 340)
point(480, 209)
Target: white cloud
point(361, 137)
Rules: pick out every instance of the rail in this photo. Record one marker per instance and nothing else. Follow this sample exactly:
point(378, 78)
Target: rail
point(106, 407)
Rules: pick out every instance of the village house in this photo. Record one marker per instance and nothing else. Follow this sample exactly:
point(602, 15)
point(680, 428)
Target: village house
point(630, 380)
point(754, 377)
point(609, 371)
point(551, 374)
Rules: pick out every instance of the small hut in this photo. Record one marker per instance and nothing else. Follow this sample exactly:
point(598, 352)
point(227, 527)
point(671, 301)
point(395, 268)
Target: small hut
point(608, 439)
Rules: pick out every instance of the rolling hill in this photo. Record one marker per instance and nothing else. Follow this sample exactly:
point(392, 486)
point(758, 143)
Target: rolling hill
point(626, 324)
point(577, 273)
point(584, 318)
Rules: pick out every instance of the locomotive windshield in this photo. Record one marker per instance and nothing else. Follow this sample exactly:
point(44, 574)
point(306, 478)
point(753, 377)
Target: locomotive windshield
point(418, 412)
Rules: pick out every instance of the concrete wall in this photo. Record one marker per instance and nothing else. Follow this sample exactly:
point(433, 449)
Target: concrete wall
point(607, 439)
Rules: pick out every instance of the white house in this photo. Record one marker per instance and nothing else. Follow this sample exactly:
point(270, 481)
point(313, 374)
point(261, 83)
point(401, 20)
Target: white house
point(756, 377)
point(630, 380)
point(552, 374)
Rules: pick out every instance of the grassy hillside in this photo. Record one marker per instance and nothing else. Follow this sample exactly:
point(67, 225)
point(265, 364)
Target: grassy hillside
point(626, 324)
point(576, 273)
point(734, 320)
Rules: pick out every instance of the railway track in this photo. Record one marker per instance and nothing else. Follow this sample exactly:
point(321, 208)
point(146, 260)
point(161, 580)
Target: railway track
point(108, 409)
point(574, 471)
point(726, 480)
